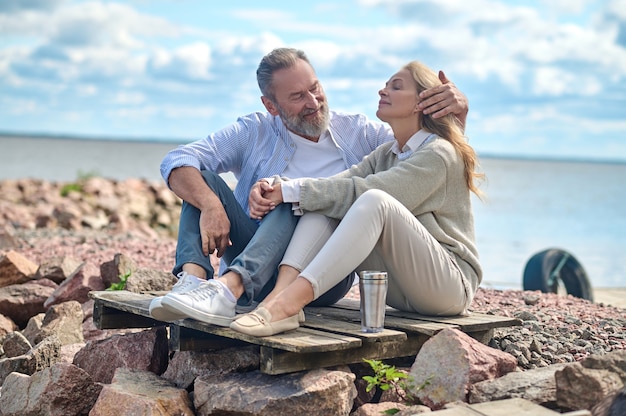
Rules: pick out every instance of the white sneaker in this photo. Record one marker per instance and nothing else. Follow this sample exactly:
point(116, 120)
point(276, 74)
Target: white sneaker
point(186, 282)
point(206, 303)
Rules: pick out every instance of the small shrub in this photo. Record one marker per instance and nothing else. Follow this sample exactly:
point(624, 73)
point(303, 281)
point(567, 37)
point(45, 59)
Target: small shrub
point(78, 185)
point(387, 377)
point(121, 285)
point(71, 187)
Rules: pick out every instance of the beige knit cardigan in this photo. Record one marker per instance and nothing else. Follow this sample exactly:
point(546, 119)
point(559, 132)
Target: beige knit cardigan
point(430, 183)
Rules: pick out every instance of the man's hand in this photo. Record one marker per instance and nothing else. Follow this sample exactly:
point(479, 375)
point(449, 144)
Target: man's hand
point(444, 99)
point(259, 205)
point(188, 184)
point(275, 195)
point(214, 230)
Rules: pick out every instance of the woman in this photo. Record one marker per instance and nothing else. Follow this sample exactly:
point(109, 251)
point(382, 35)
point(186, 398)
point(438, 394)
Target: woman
point(404, 209)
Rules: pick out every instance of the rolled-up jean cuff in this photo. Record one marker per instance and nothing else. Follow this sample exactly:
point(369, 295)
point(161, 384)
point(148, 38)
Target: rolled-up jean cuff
point(246, 297)
point(208, 268)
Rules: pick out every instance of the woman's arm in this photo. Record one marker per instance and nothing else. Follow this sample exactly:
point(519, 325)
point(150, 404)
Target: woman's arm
point(419, 182)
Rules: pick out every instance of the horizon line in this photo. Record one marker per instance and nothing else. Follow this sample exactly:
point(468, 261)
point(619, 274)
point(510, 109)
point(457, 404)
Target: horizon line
point(177, 141)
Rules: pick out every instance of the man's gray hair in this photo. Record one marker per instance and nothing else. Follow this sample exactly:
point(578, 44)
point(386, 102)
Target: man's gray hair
point(279, 58)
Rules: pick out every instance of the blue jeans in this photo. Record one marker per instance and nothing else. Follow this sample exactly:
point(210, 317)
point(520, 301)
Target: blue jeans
point(257, 247)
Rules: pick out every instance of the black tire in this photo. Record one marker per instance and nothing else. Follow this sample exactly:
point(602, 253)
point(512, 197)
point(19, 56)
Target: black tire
point(539, 270)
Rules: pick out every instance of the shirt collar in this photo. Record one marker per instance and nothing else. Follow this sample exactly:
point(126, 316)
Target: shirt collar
point(414, 143)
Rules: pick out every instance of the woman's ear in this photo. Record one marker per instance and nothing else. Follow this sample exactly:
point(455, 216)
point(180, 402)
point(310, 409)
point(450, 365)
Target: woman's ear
point(269, 106)
point(417, 106)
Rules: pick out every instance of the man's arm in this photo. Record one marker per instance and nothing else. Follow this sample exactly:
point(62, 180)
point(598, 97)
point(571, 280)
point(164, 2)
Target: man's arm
point(188, 184)
point(445, 99)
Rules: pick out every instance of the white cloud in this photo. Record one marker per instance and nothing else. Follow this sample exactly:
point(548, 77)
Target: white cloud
point(617, 8)
point(133, 98)
point(553, 81)
point(117, 59)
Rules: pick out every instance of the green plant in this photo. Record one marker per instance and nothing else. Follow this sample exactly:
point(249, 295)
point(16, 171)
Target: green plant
point(121, 285)
point(71, 187)
point(78, 185)
point(388, 376)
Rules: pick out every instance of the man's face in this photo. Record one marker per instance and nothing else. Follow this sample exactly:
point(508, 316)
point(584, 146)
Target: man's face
point(300, 100)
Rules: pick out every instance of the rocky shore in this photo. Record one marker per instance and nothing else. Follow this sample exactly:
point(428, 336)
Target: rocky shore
point(94, 220)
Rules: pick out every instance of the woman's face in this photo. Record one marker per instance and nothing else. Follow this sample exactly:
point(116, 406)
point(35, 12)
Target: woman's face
point(398, 99)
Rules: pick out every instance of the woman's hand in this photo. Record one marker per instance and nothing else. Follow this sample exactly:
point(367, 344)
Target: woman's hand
point(259, 204)
point(263, 198)
point(275, 194)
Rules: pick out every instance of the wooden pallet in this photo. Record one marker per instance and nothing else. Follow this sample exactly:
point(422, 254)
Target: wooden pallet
point(329, 336)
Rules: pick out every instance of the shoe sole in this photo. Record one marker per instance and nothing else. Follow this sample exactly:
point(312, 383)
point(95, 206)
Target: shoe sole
point(174, 305)
point(158, 312)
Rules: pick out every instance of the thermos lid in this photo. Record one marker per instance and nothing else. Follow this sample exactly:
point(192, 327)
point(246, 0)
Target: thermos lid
point(372, 275)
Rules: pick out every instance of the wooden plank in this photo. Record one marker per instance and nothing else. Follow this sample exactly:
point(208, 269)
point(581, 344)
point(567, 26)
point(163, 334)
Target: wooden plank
point(317, 321)
point(352, 315)
point(329, 336)
point(185, 339)
point(123, 300)
point(472, 323)
point(276, 361)
point(299, 340)
point(107, 317)
point(123, 305)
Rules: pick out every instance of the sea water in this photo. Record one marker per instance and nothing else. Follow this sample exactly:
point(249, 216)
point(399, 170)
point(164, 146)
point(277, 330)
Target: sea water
point(529, 205)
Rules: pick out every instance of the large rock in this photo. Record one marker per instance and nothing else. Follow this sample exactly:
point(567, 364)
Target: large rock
point(41, 356)
point(112, 271)
point(185, 366)
point(8, 240)
point(62, 389)
point(64, 320)
point(145, 280)
point(318, 392)
point(15, 269)
point(146, 350)
point(136, 392)
point(579, 388)
point(612, 405)
point(77, 286)
point(6, 326)
point(452, 361)
point(23, 301)
point(15, 344)
point(538, 386)
point(58, 269)
point(614, 361)
point(377, 409)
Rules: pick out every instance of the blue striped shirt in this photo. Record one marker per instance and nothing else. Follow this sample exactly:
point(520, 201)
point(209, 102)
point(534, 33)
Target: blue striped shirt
point(258, 146)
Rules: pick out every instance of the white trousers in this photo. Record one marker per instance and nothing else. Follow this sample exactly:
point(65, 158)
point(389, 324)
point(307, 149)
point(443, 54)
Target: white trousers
point(379, 233)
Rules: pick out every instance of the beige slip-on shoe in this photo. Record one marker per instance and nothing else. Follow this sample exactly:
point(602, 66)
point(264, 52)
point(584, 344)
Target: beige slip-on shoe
point(301, 317)
point(258, 323)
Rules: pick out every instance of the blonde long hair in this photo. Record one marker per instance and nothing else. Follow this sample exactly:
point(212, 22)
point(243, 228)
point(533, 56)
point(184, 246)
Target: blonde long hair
point(447, 127)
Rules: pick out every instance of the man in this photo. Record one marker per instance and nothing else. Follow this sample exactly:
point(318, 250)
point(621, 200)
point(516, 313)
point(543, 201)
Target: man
point(298, 136)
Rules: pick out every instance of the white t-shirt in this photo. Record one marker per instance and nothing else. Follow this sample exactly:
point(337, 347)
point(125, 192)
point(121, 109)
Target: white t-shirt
point(314, 160)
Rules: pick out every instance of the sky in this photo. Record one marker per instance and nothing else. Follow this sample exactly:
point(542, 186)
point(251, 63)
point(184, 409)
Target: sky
point(543, 78)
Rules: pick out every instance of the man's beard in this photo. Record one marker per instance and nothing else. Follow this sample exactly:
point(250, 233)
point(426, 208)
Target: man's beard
point(299, 125)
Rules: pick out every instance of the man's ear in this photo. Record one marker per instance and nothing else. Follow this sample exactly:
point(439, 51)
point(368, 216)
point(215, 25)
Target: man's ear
point(269, 106)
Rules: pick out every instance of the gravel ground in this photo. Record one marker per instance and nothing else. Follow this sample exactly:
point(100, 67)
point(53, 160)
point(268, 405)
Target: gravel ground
point(555, 328)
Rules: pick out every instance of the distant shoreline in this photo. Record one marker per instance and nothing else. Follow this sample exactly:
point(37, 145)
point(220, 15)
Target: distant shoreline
point(179, 141)
point(9, 135)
